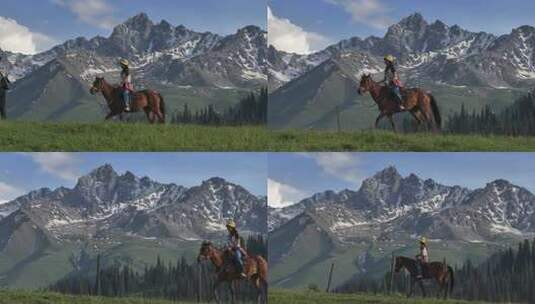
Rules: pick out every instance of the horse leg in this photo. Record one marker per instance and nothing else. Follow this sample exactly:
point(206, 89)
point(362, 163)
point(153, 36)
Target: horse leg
point(259, 290)
point(3, 109)
point(160, 115)
point(392, 123)
point(414, 112)
point(421, 283)
point(429, 119)
point(447, 287)
point(411, 288)
point(216, 292)
point(378, 119)
point(232, 300)
point(110, 115)
point(158, 112)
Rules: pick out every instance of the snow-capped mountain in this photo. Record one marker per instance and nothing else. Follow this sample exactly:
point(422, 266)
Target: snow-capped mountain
point(54, 85)
point(159, 52)
point(388, 206)
point(434, 51)
point(104, 203)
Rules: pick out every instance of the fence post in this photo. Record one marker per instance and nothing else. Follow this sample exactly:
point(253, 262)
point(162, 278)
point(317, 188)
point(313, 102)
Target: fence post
point(330, 278)
point(392, 266)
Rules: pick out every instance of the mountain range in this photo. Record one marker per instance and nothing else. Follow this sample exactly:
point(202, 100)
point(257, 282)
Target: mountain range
point(53, 85)
point(387, 214)
point(104, 211)
point(456, 65)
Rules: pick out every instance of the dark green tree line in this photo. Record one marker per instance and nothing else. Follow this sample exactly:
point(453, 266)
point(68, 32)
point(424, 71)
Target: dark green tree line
point(507, 276)
point(250, 110)
point(175, 281)
point(517, 119)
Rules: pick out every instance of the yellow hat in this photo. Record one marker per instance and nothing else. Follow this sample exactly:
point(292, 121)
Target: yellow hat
point(423, 240)
point(123, 62)
point(231, 224)
point(390, 58)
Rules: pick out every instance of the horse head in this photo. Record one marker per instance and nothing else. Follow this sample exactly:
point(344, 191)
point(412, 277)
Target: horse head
point(399, 264)
point(365, 83)
point(97, 85)
point(205, 251)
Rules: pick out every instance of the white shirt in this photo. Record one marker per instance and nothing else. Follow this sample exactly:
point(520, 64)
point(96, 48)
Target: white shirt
point(425, 255)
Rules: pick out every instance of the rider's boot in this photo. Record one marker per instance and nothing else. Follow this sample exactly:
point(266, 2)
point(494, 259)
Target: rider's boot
point(239, 262)
point(400, 99)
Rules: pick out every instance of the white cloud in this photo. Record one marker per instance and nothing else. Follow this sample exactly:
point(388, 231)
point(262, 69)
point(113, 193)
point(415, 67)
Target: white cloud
point(368, 12)
point(288, 37)
point(94, 12)
point(60, 164)
point(15, 37)
point(9, 192)
point(344, 166)
point(282, 195)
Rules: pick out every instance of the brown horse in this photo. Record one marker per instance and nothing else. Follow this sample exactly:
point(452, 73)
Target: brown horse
point(420, 104)
point(149, 101)
point(439, 271)
point(255, 268)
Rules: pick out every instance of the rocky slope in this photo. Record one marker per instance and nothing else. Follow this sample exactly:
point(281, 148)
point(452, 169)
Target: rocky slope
point(389, 206)
point(434, 51)
point(106, 203)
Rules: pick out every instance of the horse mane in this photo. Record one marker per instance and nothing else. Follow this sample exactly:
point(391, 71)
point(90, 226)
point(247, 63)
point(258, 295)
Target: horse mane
point(409, 262)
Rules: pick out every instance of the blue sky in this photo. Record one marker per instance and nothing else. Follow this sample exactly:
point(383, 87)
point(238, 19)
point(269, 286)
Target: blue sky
point(22, 172)
point(328, 21)
point(293, 176)
point(52, 21)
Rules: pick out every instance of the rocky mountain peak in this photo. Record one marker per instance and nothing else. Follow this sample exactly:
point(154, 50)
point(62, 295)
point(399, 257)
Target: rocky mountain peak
point(104, 174)
point(139, 22)
point(499, 184)
point(165, 25)
point(129, 176)
point(250, 30)
point(412, 177)
point(414, 22)
point(388, 175)
point(214, 183)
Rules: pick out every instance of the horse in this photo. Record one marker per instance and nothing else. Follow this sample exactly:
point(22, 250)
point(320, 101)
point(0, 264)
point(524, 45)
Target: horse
point(420, 104)
point(4, 86)
point(255, 269)
point(149, 101)
point(440, 271)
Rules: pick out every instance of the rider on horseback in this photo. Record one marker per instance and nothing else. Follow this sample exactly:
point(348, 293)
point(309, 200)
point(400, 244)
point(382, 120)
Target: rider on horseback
point(126, 83)
point(422, 258)
point(392, 79)
point(235, 246)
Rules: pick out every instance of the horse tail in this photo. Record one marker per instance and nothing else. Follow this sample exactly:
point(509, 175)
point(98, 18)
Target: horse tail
point(452, 278)
point(262, 267)
point(436, 112)
point(162, 105)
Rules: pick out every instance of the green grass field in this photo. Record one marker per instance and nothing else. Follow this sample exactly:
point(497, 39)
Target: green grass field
point(36, 297)
point(285, 296)
point(34, 136)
